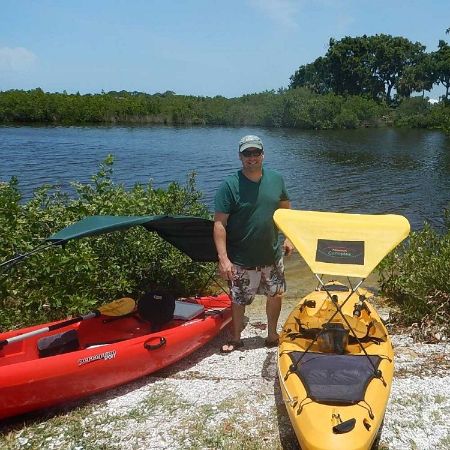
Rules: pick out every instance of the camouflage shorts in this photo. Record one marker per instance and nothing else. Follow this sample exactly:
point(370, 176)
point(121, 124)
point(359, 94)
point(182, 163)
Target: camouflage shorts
point(265, 280)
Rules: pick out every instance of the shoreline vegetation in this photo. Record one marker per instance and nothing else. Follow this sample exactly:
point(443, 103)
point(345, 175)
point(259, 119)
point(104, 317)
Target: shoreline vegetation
point(60, 282)
point(299, 108)
point(364, 81)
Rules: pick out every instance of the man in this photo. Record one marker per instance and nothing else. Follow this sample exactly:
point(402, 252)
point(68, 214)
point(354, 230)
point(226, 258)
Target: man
point(248, 243)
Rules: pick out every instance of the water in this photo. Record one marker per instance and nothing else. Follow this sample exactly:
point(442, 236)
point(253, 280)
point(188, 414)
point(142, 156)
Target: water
point(365, 171)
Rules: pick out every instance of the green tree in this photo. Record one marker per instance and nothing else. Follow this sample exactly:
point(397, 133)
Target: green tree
point(314, 76)
point(392, 57)
point(417, 78)
point(441, 66)
point(372, 66)
point(351, 66)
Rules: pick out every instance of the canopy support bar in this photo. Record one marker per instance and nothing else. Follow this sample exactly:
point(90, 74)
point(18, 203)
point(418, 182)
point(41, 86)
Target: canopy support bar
point(16, 259)
point(293, 367)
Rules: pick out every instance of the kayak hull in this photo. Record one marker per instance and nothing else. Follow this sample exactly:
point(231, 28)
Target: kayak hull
point(328, 417)
point(112, 351)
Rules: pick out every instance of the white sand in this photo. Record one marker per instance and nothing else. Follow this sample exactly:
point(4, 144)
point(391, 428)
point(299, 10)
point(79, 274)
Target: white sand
point(416, 417)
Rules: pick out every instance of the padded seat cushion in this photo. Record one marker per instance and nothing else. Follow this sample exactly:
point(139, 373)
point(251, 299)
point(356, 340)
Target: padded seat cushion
point(330, 378)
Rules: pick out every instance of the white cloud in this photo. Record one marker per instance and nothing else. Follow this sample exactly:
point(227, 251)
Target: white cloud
point(282, 12)
point(16, 59)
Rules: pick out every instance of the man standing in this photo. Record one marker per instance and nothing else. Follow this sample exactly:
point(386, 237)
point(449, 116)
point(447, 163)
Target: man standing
point(248, 243)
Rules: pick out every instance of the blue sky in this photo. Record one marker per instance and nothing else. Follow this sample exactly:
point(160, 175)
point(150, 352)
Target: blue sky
point(198, 47)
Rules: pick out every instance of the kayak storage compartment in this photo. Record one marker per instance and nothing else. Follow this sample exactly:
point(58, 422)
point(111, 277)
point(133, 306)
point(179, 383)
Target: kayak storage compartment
point(187, 311)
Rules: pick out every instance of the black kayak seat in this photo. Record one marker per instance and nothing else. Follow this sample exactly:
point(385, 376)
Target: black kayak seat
point(335, 379)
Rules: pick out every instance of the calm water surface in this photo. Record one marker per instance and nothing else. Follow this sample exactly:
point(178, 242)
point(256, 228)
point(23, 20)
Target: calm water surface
point(365, 171)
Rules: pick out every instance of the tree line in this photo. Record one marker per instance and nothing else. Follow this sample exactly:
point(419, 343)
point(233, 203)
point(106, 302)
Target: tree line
point(352, 86)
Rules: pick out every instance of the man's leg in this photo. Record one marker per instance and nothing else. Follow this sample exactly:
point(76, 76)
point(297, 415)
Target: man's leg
point(274, 285)
point(273, 309)
point(237, 313)
point(242, 291)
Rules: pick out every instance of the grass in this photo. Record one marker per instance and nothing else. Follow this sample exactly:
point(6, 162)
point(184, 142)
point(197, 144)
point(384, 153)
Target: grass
point(238, 430)
point(65, 430)
point(230, 424)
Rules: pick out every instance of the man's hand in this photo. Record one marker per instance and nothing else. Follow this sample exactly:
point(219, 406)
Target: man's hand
point(226, 269)
point(288, 248)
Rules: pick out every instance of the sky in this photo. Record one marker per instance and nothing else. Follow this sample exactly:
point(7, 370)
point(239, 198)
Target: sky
point(191, 47)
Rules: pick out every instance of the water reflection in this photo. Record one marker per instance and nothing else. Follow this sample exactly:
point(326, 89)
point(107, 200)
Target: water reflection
point(379, 171)
point(365, 171)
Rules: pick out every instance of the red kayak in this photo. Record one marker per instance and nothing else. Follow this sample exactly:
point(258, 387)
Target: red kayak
point(92, 355)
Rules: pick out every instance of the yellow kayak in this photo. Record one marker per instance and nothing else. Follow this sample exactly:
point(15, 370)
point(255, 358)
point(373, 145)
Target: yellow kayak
point(335, 358)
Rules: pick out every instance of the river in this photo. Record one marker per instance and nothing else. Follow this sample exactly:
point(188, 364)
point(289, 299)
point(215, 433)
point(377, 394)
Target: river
point(365, 171)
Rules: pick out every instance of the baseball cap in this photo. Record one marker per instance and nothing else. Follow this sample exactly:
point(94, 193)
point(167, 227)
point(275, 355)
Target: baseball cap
point(250, 141)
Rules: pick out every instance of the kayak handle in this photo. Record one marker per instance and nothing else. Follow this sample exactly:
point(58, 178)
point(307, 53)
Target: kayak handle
point(148, 346)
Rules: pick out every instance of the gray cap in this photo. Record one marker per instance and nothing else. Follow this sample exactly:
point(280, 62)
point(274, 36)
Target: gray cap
point(250, 141)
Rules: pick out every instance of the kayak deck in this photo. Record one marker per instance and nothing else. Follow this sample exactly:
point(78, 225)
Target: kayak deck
point(98, 354)
point(335, 399)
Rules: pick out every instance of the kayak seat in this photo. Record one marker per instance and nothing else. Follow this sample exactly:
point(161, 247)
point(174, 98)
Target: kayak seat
point(57, 344)
point(156, 307)
point(335, 379)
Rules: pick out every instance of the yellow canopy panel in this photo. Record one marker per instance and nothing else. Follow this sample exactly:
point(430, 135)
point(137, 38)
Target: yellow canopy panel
point(342, 244)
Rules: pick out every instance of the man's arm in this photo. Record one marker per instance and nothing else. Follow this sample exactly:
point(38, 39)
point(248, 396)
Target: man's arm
point(220, 239)
point(287, 244)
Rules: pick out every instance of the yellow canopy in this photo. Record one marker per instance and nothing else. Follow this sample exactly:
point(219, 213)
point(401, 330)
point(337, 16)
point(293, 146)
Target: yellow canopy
point(342, 244)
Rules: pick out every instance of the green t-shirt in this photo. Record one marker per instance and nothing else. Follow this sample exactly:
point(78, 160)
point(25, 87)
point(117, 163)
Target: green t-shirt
point(252, 236)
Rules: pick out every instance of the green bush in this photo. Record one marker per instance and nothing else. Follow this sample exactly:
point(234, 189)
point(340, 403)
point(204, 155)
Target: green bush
point(61, 281)
point(440, 117)
point(346, 119)
point(416, 112)
point(417, 275)
point(323, 109)
point(368, 112)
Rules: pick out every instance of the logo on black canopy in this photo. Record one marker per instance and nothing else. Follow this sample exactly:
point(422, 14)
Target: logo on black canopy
point(340, 252)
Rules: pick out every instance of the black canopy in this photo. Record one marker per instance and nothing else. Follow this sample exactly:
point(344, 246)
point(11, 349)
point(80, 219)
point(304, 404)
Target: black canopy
point(191, 235)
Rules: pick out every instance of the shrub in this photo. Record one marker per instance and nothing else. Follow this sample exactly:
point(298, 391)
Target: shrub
point(416, 112)
point(346, 119)
point(62, 281)
point(416, 275)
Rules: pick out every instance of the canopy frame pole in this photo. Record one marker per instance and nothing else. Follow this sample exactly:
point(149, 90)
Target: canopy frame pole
point(376, 371)
point(21, 256)
point(353, 290)
point(213, 278)
point(294, 366)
